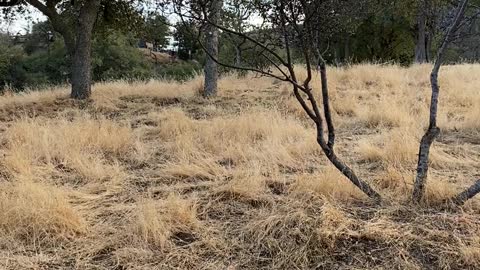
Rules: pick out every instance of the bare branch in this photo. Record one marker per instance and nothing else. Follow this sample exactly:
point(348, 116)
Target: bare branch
point(467, 194)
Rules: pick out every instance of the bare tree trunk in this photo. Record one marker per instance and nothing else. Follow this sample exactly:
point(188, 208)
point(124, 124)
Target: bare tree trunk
point(346, 58)
point(238, 56)
point(428, 46)
point(433, 131)
point(328, 146)
point(420, 41)
point(81, 76)
point(211, 45)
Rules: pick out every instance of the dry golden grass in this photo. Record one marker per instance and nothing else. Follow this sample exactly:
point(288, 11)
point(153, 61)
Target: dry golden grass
point(37, 213)
point(152, 176)
point(156, 222)
point(329, 182)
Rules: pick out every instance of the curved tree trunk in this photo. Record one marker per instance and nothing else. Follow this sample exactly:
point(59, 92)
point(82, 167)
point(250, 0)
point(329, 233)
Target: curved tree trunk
point(433, 131)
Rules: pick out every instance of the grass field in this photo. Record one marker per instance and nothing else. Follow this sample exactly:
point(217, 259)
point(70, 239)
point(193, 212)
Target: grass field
point(152, 176)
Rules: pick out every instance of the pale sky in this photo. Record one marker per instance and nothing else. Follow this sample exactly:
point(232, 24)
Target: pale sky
point(21, 24)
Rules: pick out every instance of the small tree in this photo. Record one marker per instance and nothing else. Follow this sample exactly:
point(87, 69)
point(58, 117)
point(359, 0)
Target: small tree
point(433, 130)
point(236, 16)
point(296, 21)
point(300, 22)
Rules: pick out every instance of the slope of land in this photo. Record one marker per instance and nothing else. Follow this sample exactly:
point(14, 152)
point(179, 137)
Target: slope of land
point(152, 176)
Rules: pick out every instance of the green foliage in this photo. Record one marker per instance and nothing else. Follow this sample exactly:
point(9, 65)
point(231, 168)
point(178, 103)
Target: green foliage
point(156, 30)
point(46, 66)
point(10, 57)
point(385, 39)
point(116, 57)
point(40, 36)
point(182, 70)
point(186, 39)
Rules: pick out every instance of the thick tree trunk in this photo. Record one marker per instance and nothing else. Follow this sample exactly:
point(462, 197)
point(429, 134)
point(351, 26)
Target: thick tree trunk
point(421, 38)
point(211, 44)
point(81, 76)
point(428, 47)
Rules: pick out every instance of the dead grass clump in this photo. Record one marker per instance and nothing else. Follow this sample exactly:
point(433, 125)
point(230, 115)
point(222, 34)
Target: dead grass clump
point(439, 191)
point(329, 183)
point(384, 113)
point(108, 93)
point(29, 96)
point(267, 138)
point(200, 168)
point(246, 183)
point(472, 118)
point(396, 179)
point(346, 106)
point(157, 222)
point(87, 146)
point(38, 213)
point(386, 231)
point(396, 148)
point(399, 148)
point(284, 237)
point(470, 253)
point(335, 224)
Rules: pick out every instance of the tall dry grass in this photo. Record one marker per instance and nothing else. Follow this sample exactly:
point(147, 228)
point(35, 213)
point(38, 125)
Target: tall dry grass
point(152, 176)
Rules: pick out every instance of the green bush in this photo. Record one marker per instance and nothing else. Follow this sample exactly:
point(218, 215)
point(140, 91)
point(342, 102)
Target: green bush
point(11, 56)
point(179, 70)
point(115, 56)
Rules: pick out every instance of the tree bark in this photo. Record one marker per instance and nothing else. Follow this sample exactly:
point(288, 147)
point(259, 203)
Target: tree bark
point(433, 131)
point(467, 194)
point(346, 57)
point(77, 38)
point(211, 45)
point(81, 76)
point(238, 56)
point(428, 46)
point(328, 146)
point(420, 41)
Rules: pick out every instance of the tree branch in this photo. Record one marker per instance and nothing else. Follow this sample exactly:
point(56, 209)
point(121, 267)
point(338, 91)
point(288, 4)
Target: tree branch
point(467, 194)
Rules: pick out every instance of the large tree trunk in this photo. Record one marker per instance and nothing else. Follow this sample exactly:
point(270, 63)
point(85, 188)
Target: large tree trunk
point(211, 44)
point(421, 37)
point(428, 46)
point(81, 76)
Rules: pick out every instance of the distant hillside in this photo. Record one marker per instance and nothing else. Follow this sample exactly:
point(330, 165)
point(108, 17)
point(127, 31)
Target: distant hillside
point(156, 57)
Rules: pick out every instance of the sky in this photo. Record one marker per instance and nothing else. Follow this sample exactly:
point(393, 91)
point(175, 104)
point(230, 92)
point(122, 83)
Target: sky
point(21, 24)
